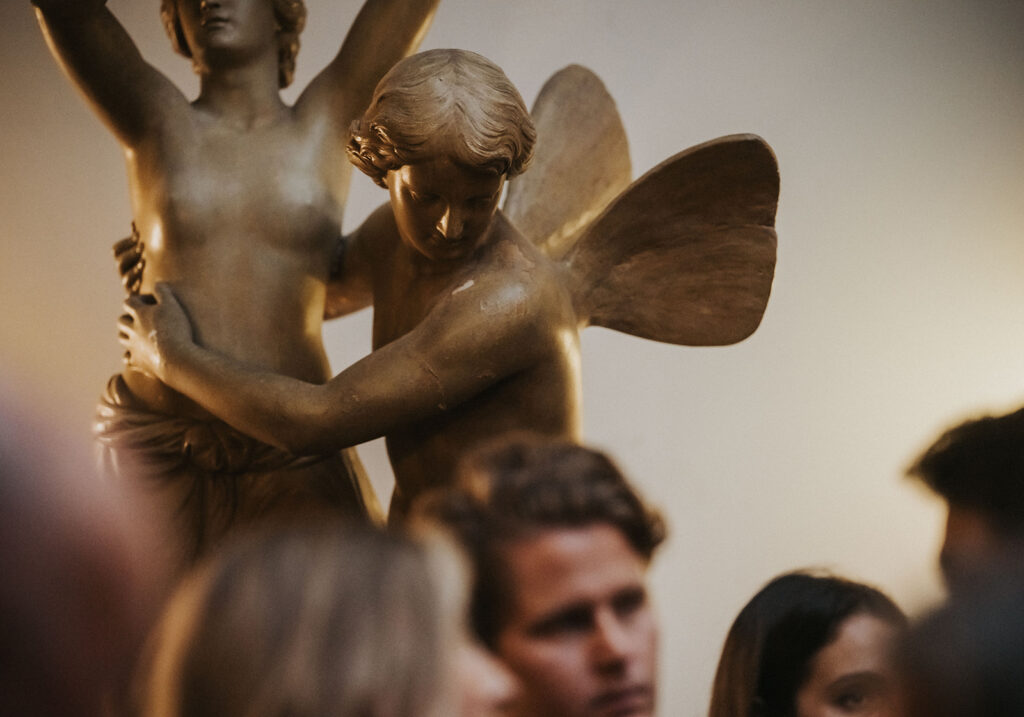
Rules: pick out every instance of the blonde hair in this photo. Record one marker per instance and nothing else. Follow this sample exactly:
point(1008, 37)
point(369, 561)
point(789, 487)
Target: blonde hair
point(312, 622)
point(291, 19)
point(451, 102)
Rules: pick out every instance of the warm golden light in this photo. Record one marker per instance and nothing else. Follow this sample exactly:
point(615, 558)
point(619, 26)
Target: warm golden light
point(896, 307)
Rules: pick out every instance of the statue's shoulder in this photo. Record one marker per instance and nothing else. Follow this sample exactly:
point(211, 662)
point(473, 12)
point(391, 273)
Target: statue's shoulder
point(521, 282)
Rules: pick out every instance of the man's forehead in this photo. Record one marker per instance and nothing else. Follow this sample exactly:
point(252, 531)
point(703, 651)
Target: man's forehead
point(565, 565)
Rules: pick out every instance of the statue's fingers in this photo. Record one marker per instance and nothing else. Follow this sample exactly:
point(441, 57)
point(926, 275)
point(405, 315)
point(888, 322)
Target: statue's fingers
point(127, 261)
point(132, 279)
point(123, 245)
point(130, 307)
point(163, 292)
point(131, 284)
point(125, 324)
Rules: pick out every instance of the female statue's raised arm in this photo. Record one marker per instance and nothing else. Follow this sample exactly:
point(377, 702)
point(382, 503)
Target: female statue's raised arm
point(383, 33)
point(95, 51)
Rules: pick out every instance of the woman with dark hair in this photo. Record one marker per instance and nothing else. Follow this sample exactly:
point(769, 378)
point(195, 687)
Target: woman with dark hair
point(809, 645)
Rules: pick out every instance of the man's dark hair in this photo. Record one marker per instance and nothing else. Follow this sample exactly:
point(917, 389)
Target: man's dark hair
point(979, 465)
point(526, 486)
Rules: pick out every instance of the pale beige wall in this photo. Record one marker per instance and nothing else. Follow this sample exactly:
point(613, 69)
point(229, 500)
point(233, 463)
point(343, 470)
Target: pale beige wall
point(898, 304)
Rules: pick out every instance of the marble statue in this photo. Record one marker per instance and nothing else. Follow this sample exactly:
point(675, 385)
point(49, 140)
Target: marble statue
point(237, 199)
point(477, 311)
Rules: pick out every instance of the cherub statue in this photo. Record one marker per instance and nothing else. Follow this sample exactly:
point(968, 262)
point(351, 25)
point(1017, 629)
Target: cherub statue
point(237, 199)
point(475, 328)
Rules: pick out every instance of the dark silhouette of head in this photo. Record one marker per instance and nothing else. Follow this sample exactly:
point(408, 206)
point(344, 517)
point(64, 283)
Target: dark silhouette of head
point(977, 468)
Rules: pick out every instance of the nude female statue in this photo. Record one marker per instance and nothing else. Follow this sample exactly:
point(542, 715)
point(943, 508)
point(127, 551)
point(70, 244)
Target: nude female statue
point(475, 327)
point(237, 199)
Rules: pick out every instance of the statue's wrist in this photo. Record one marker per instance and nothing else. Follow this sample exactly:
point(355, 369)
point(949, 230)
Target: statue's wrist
point(69, 9)
point(174, 353)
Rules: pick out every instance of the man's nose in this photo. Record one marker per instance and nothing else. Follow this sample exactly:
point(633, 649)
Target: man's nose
point(613, 642)
point(451, 223)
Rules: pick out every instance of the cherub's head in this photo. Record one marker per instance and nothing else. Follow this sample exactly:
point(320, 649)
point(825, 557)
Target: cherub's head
point(444, 129)
point(289, 14)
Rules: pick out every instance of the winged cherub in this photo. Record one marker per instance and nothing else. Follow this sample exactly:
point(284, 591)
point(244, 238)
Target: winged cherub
point(477, 311)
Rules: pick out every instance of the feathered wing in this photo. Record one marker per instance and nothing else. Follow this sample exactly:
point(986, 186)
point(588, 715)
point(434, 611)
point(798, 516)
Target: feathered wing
point(685, 255)
point(580, 162)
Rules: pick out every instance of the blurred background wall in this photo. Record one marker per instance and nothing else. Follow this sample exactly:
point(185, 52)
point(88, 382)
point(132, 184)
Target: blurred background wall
point(898, 304)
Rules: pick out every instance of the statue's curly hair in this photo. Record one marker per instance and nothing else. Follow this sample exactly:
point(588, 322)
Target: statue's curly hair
point(454, 96)
point(291, 19)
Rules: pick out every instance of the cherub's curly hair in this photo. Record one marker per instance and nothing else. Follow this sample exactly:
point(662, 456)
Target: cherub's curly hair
point(291, 19)
point(456, 97)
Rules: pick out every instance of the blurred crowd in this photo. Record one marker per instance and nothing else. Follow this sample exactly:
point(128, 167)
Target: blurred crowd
point(520, 590)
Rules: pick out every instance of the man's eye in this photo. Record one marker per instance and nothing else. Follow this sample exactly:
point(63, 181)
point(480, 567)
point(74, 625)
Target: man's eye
point(575, 621)
point(629, 602)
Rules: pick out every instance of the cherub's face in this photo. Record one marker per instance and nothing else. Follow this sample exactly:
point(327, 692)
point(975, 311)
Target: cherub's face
point(443, 209)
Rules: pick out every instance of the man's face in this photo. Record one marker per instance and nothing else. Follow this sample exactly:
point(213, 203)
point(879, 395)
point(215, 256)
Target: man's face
point(970, 547)
point(580, 633)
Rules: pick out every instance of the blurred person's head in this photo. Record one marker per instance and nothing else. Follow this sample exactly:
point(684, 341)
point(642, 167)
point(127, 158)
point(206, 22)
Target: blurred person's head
point(76, 592)
point(319, 621)
point(809, 645)
point(560, 543)
point(966, 658)
point(977, 468)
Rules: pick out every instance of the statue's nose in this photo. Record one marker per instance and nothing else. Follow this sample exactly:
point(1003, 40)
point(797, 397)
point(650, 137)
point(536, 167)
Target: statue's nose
point(451, 223)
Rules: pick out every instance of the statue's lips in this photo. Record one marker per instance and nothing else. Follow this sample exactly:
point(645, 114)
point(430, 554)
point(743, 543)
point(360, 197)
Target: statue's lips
point(214, 22)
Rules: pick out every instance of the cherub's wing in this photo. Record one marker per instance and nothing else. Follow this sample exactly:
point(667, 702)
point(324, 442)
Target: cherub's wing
point(685, 255)
point(580, 162)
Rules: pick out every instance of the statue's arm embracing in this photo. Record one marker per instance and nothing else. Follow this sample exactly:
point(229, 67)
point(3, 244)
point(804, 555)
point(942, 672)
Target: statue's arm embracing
point(476, 336)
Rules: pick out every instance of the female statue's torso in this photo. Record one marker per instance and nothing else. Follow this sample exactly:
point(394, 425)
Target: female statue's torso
point(241, 222)
point(237, 199)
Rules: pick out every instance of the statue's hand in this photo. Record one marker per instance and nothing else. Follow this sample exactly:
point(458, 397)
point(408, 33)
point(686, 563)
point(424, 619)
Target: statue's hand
point(130, 262)
point(152, 328)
